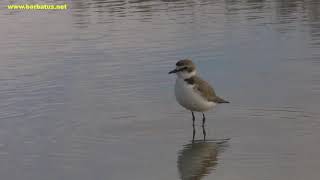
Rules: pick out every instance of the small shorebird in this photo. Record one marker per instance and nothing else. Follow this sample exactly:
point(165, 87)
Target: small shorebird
point(192, 92)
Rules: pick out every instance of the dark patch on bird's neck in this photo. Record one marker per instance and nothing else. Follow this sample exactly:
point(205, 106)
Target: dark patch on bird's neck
point(190, 80)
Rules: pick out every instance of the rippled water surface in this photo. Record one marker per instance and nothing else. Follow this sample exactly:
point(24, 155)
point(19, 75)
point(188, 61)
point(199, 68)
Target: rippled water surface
point(85, 93)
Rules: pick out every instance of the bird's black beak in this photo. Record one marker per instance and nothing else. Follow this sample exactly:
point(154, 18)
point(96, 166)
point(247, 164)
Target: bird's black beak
point(173, 71)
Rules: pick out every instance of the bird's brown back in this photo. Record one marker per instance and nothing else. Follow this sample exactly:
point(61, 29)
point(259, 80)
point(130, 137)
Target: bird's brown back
point(205, 90)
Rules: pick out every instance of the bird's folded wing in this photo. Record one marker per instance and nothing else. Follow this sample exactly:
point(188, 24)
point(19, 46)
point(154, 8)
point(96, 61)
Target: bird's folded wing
point(206, 91)
point(204, 88)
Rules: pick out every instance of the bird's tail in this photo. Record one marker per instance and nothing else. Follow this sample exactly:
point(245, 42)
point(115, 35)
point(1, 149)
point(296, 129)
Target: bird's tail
point(219, 100)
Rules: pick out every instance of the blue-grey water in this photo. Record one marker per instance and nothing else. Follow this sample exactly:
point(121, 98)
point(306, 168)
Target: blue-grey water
point(85, 93)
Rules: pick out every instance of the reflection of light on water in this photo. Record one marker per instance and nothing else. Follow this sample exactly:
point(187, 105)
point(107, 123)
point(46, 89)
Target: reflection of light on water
point(197, 159)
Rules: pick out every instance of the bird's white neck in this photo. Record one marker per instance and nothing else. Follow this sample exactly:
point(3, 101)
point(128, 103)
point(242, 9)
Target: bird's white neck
point(186, 75)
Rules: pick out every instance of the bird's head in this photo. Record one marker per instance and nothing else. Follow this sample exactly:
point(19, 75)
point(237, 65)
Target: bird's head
point(184, 69)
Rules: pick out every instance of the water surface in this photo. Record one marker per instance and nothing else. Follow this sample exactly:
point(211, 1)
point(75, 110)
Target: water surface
point(85, 94)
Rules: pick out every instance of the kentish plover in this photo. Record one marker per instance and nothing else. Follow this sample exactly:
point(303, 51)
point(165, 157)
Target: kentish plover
point(192, 92)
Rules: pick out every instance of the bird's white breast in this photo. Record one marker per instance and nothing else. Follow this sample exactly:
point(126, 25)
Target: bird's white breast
point(189, 98)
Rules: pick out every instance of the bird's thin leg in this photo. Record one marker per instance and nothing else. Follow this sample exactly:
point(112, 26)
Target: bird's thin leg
point(194, 133)
point(203, 119)
point(194, 130)
point(193, 118)
point(204, 133)
point(203, 129)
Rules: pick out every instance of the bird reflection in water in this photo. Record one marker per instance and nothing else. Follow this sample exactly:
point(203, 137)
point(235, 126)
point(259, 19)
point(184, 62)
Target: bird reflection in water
point(198, 158)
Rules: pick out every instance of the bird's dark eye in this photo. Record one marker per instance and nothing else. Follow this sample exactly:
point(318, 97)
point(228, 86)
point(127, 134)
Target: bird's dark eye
point(184, 69)
point(189, 70)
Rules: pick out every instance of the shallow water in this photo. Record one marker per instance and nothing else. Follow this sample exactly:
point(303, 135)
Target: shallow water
point(85, 93)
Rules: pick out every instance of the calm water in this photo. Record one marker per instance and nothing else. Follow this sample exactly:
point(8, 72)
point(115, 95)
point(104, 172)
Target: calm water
point(85, 94)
